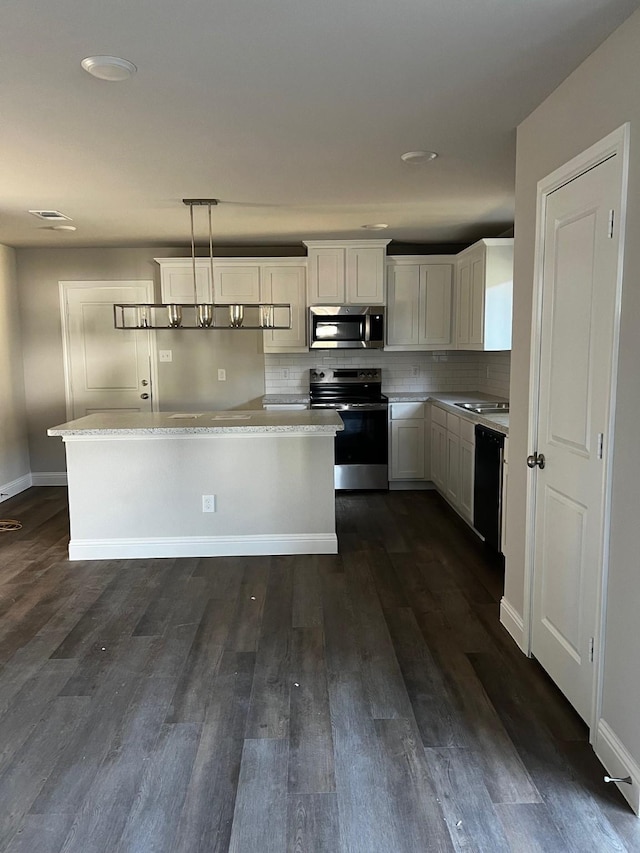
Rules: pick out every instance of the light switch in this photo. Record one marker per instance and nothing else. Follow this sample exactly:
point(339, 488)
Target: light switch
point(222, 374)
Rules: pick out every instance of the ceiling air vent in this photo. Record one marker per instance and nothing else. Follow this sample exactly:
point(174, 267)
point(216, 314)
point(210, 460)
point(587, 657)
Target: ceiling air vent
point(50, 215)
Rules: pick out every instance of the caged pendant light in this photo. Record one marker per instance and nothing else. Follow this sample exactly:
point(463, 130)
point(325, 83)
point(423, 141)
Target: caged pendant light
point(202, 315)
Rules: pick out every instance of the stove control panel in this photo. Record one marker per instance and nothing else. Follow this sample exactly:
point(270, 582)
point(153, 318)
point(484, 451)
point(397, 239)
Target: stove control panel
point(346, 375)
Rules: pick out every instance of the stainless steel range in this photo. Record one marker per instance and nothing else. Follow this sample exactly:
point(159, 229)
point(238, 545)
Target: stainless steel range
point(362, 448)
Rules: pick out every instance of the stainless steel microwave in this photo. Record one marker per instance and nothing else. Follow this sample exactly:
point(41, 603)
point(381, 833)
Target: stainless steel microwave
point(346, 327)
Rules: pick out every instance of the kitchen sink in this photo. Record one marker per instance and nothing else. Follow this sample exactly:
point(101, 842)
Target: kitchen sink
point(485, 407)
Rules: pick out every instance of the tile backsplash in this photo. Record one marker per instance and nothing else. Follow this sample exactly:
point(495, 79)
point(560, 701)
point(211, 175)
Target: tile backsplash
point(401, 371)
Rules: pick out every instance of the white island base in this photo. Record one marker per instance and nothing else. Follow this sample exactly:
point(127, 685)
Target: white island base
point(137, 482)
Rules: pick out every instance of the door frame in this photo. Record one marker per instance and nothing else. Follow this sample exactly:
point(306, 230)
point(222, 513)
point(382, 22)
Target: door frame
point(615, 143)
point(65, 287)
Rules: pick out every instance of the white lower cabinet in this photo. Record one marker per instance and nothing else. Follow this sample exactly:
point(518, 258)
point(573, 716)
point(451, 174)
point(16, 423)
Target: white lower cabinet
point(467, 432)
point(452, 490)
point(452, 459)
point(407, 441)
point(438, 456)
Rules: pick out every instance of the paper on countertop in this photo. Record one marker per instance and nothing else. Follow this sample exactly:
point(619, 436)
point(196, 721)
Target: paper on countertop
point(231, 418)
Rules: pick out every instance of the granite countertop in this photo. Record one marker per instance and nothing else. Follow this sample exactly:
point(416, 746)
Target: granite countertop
point(285, 399)
point(448, 399)
point(200, 423)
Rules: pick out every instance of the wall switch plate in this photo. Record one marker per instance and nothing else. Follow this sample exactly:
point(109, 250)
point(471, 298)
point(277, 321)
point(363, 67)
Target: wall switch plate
point(415, 371)
point(222, 374)
point(165, 355)
point(285, 372)
point(208, 503)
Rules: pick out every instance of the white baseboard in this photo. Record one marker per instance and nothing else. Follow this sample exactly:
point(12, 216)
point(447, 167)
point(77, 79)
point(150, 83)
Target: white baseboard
point(413, 485)
point(618, 762)
point(512, 621)
point(202, 546)
point(8, 490)
point(49, 478)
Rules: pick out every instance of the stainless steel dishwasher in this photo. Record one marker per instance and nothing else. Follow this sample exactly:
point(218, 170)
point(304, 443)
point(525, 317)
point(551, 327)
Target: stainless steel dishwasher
point(487, 485)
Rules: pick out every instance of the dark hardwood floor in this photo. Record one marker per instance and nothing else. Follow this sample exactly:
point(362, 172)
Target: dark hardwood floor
point(364, 703)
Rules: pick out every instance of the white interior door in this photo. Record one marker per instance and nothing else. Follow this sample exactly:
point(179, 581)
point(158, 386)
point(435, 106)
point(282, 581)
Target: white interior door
point(106, 369)
point(579, 286)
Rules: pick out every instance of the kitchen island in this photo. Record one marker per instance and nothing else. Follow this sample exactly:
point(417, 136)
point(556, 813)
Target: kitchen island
point(146, 485)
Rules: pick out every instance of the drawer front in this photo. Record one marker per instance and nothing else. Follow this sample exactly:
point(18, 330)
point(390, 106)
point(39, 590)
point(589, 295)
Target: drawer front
point(439, 416)
point(467, 430)
point(453, 423)
point(406, 411)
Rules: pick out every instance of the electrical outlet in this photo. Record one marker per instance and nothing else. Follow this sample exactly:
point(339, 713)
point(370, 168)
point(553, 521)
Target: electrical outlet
point(285, 372)
point(415, 371)
point(208, 503)
point(165, 355)
point(222, 374)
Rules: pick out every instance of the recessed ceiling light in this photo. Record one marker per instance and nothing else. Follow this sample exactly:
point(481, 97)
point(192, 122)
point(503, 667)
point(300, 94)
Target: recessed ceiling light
point(376, 226)
point(63, 228)
point(418, 158)
point(111, 68)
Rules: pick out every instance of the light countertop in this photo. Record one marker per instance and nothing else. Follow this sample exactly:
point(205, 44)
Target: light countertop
point(193, 423)
point(285, 399)
point(448, 400)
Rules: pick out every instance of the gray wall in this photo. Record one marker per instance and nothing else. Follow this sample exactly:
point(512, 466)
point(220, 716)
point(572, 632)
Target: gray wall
point(601, 95)
point(189, 381)
point(14, 455)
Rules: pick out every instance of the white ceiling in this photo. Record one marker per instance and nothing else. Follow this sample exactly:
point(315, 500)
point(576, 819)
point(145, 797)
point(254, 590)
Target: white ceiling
point(294, 113)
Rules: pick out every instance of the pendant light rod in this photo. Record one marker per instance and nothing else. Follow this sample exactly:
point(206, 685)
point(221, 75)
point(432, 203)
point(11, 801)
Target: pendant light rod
point(208, 203)
point(193, 258)
point(213, 290)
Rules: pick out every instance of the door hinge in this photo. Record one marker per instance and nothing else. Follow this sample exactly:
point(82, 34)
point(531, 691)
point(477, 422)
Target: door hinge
point(600, 445)
point(591, 648)
point(611, 219)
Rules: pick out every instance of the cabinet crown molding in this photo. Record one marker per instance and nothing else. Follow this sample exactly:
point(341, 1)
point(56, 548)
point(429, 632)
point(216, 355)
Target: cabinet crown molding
point(345, 244)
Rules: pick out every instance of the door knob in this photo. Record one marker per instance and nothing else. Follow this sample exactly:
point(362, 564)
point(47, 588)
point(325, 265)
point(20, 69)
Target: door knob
point(536, 459)
point(144, 396)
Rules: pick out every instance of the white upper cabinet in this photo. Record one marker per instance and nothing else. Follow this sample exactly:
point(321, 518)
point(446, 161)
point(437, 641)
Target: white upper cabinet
point(286, 283)
point(346, 272)
point(484, 295)
point(232, 281)
point(419, 299)
point(176, 280)
point(236, 282)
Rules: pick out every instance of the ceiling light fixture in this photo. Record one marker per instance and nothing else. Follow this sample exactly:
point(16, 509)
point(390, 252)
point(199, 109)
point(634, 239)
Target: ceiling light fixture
point(265, 316)
point(63, 227)
point(110, 68)
point(376, 226)
point(50, 215)
point(418, 158)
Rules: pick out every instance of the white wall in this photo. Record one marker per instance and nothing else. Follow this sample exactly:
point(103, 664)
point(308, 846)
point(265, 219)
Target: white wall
point(189, 381)
point(601, 95)
point(14, 454)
